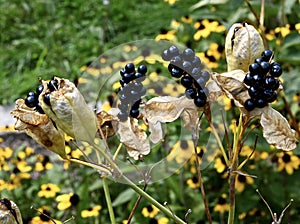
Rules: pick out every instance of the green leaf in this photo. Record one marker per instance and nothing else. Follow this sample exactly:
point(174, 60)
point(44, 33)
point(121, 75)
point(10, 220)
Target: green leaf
point(123, 197)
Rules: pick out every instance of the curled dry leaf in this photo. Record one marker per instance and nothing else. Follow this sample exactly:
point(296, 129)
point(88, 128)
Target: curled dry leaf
point(242, 45)
point(167, 109)
point(277, 131)
point(69, 110)
point(40, 127)
point(134, 138)
point(107, 123)
point(232, 84)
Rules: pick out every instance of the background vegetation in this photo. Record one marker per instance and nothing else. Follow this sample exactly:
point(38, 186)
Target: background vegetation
point(46, 38)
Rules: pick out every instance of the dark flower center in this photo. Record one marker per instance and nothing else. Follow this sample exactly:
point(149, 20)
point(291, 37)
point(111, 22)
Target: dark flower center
point(74, 199)
point(242, 178)
point(286, 158)
point(149, 209)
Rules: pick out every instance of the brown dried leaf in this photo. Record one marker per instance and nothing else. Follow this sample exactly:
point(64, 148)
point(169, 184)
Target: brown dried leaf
point(134, 138)
point(232, 84)
point(167, 109)
point(39, 127)
point(214, 91)
point(277, 131)
point(107, 123)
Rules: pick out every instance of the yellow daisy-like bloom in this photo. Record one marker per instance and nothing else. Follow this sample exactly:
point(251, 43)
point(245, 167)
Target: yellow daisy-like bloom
point(175, 24)
point(222, 206)
point(162, 220)
point(67, 200)
point(241, 180)
point(44, 218)
point(150, 211)
point(166, 35)
point(173, 89)
point(288, 161)
point(91, 212)
point(43, 163)
point(6, 152)
point(283, 31)
point(297, 27)
point(187, 19)
point(220, 165)
point(205, 27)
point(7, 128)
point(181, 151)
point(193, 182)
point(48, 190)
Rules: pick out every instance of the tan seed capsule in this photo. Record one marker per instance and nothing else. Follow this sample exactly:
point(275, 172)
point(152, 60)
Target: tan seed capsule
point(243, 45)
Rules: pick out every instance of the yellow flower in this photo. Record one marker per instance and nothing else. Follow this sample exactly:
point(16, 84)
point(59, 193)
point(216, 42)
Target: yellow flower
point(150, 211)
point(48, 190)
point(171, 2)
point(241, 180)
point(284, 31)
point(181, 151)
point(288, 162)
point(6, 152)
point(193, 182)
point(67, 200)
point(187, 19)
point(162, 220)
point(297, 27)
point(7, 128)
point(43, 163)
point(44, 218)
point(205, 27)
point(166, 35)
point(220, 165)
point(222, 206)
point(91, 212)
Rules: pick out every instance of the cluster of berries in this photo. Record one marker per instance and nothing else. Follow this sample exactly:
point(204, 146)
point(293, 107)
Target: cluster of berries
point(32, 98)
point(188, 67)
point(131, 91)
point(262, 81)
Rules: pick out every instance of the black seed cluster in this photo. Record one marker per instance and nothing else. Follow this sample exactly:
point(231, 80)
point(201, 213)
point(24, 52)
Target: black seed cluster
point(262, 80)
point(131, 91)
point(32, 101)
point(187, 66)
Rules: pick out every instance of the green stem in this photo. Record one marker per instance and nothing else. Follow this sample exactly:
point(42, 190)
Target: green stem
point(108, 201)
point(162, 208)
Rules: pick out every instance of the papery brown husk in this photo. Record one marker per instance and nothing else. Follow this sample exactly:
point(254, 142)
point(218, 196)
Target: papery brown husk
point(40, 127)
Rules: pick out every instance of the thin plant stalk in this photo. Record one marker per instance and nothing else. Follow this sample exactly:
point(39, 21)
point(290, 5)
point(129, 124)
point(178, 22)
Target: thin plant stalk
point(108, 201)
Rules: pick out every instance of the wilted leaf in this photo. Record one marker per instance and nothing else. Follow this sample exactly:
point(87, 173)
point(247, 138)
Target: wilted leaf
point(276, 130)
point(214, 91)
point(243, 45)
point(107, 123)
point(166, 109)
point(134, 138)
point(39, 127)
point(69, 110)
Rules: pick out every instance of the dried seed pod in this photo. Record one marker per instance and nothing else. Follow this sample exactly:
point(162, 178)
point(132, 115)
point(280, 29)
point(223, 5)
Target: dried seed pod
point(69, 110)
point(242, 45)
point(9, 212)
point(40, 127)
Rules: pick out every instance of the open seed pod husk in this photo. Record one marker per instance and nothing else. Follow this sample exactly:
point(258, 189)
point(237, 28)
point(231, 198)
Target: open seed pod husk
point(9, 212)
point(40, 127)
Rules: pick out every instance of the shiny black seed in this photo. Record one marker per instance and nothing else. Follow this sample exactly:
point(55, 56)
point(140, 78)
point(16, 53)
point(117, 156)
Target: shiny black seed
point(134, 113)
point(139, 77)
point(136, 104)
point(203, 93)
point(129, 68)
point(123, 106)
point(254, 68)
point(190, 93)
point(122, 72)
point(196, 62)
point(271, 83)
point(264, 67)
point(53, 85)
point(176, 72)
point(258, 60)
point(188, 54)
point(187, 66)
point(187, 81)
point(199, 101)
point(31, 100)
point(47, 99)
point(257, 80)
point(122, 82)
point(137, 86)
point(269, 95)
point(200, 82)
point(173, 51)
point(127, 77)
point(176, 61)
point(39, 89)
point(249, 105)
point(123, 116)
point(205, 75)
point(166, 56)
point(143, 91)
point(254, 92)
point(260, 103)
point(275, 70)
point(142, 69)
point(248, 80)
point(195, 72)
point(266, 55)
